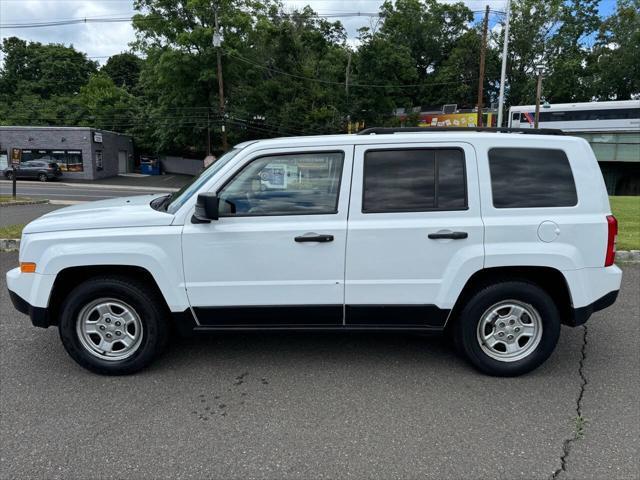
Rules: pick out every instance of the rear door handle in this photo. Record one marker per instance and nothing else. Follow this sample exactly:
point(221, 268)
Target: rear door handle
point(314, 237)
point(450, 235)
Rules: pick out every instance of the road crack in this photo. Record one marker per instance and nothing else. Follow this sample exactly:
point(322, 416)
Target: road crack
point(579, 420)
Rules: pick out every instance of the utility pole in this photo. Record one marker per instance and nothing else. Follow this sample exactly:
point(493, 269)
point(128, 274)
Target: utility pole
point(347, 75)
point(540, 70)
point(483, 49)
point(217, 42)
point(503, 71)
point(208, 133)
point(346, 89)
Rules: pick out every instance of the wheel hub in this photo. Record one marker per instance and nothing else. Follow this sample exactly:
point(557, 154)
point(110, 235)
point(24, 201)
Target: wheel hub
point(109, 329)
point(509, 331)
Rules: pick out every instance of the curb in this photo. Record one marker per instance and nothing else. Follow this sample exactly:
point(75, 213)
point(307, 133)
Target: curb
point(26, 202)
point(9, 244)
point(624, 256)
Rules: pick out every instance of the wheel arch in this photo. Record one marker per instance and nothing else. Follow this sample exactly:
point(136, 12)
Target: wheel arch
point(70, 277)
point(551, 280)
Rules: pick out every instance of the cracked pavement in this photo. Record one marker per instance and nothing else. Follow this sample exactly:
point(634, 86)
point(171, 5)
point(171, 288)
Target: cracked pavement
point(323, 406)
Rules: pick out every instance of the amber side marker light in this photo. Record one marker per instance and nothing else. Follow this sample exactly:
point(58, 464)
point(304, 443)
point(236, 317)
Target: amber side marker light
point(27, 267)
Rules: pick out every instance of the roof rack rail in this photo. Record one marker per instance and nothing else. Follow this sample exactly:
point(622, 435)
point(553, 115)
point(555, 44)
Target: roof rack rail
point(526, 131)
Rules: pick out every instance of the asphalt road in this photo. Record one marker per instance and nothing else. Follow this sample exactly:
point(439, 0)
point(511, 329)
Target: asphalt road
point(67, 191)
point(306, 406)
point(23, 214)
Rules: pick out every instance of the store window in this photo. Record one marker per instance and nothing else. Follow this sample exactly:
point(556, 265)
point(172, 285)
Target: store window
point(74, 161)
point(4, 160)
point(67, 160)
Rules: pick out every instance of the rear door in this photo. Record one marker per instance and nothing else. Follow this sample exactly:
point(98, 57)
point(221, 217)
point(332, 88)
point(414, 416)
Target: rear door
point(414, 232)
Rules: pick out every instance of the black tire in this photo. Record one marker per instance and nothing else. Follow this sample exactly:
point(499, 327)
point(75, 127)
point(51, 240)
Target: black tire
point(43, 177)
point(466, 327)
point(149, 308)
point(9, 175)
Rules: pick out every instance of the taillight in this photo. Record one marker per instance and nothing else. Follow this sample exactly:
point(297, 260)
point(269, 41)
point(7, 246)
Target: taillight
point(612, 225)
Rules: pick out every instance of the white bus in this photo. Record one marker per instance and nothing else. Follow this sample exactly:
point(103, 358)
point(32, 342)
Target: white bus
point(617, 116)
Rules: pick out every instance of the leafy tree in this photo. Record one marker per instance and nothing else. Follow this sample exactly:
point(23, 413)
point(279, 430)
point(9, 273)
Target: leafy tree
point(123, 69)
point(106, 105)
point(615, 58)
point(43, 70)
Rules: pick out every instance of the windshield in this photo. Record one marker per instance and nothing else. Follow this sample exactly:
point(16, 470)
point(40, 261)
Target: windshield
point(181, 196)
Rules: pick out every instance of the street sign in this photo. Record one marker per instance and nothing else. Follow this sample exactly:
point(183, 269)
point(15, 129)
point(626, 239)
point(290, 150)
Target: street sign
point(16, 156)
point(97, 137)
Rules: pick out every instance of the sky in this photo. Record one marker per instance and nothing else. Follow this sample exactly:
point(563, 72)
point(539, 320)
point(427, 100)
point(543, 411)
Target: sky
point(100, 40)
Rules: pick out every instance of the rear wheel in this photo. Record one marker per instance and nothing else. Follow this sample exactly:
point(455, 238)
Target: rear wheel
point(508, 328)
point(9, 175)
point(112, 325)
point(43, 177)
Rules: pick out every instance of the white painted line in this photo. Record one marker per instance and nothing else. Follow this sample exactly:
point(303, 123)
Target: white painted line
point(66, 202)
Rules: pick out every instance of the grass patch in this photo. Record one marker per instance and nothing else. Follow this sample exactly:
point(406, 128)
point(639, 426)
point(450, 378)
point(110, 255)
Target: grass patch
point(627, 211)
point(11, 231)
point(9, 199)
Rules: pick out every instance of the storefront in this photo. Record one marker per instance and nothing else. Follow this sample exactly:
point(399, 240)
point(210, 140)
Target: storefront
point(83, 153)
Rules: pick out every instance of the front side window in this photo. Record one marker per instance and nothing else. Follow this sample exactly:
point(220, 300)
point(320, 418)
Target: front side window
point(291, 184)
point(414, 180)
point(531, 177)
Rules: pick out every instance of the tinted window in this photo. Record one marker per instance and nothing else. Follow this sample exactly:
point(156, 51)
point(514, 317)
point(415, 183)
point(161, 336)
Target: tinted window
point(413, 180)
point(531, 177)
point(296, 184)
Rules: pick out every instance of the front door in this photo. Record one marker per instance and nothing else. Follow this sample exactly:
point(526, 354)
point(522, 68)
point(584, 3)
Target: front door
point(275, 257)
point(414, 230)
point(122, 161)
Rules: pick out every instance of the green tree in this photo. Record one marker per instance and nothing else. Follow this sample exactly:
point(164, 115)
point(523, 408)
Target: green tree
point(123, 69)
point(107, 106)
point(43, 70)
point(614, 61)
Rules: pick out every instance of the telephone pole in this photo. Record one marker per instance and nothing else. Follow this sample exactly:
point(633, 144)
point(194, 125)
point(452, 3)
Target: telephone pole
point(503, 71)
point(483, 49)
point(217, 42)
point(540, 70)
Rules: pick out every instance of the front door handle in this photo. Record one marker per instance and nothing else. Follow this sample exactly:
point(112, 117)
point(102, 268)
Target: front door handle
point(314, 237)
point(450, 235)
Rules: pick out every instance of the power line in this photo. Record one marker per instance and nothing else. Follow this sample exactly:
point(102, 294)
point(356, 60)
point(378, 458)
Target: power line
point(330, 82)
point(152, 18)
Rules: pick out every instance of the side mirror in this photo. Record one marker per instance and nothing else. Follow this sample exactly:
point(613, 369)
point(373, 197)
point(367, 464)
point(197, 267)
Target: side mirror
point(206, 208)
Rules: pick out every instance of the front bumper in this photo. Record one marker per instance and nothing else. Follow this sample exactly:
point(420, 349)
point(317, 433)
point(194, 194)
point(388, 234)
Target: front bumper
point(29, 293)
point(39, 316)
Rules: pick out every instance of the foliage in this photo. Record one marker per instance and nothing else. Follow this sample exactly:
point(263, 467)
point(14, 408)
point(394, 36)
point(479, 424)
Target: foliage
point(123, 69)
point(292, 73)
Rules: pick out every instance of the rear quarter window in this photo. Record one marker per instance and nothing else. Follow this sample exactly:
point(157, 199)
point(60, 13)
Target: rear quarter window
point(530, 178)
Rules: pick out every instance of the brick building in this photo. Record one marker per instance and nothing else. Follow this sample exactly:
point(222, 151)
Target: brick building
point(81, 152)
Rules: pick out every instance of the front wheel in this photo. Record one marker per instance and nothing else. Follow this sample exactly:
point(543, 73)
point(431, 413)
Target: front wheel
point(509, 328)
point(112, 325)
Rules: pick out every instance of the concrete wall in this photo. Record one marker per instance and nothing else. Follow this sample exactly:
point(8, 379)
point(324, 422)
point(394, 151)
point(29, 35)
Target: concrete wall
point(186, 166)
point(71, 138)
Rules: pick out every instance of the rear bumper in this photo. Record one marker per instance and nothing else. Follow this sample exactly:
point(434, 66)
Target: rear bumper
point(582, 314)
point(39, 316)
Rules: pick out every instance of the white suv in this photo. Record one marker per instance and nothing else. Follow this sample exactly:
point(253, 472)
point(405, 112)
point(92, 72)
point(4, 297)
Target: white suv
point(497, 238)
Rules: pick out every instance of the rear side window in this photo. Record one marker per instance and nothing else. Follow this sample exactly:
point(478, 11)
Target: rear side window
point(414, 180)
point(531, 177)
